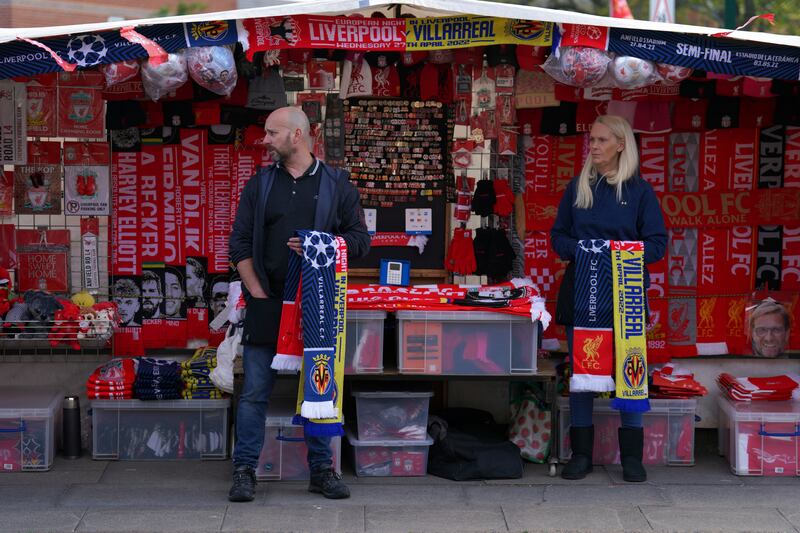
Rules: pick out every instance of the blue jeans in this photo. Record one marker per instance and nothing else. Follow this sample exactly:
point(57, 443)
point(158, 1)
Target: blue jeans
point(259, 379)
point(581, 404)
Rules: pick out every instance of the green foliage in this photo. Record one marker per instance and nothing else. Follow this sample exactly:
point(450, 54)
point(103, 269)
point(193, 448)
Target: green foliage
point(183, 8)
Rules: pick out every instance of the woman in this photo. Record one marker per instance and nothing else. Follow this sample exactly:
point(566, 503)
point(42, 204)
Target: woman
point(609, 200)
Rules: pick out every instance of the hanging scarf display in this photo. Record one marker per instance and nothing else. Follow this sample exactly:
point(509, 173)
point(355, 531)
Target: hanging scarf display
point(630, 336)
point(311, 338)
point(592, 354)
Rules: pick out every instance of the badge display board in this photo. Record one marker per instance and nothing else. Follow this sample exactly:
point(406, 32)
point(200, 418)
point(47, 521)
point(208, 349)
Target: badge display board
point(396, 152)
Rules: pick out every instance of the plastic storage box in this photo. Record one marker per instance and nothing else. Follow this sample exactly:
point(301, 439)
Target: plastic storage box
point(364, 352)
point(760, 438)
point(466, 343)
point(392, 458)
point(284, 455)
point(30, 422)
point(392, 415)
point(668, 432)
point(159, 430)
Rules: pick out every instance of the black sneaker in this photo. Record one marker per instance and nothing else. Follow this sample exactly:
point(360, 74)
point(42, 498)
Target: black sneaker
point(244, 484)
point(329, 484)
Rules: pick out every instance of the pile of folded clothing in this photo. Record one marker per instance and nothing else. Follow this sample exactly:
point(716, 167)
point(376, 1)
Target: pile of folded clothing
point(195, 373)
point(157, 379)
point(675, 383)
point(112, 381)
point(752, 389)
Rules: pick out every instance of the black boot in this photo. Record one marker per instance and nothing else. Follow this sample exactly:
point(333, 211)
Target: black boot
point(580, 464)
point(631, 442)
point(244, 484)
point(329, 484)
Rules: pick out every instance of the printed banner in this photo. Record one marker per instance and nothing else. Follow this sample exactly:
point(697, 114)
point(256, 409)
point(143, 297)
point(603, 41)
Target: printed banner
point(466, 31)
point(770, 160)
point(684, 162)
point(81, 112)
point(37, 189)
point(151, 220)
point(8, 246)
point(653, 155)
point(218, 185)
point(729, 159)
point(538, 164)
point(20, 58)
point(172, 207)
point(42, 108)
point(567, 160)
point(86, 190)
point(125, 226)
point(6, 193)
point(193, 193)
point(768, 257)
point(791, 158)
point(723, 56)
point(582, 35)
point(790, 260)
point(13, 123)
point(86, 153)
point(90, 267)
point(43, 257)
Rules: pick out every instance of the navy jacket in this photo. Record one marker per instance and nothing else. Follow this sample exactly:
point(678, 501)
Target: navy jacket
point(338, 212)
point(637, 218)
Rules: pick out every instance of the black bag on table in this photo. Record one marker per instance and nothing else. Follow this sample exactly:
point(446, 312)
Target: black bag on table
point(468, 444)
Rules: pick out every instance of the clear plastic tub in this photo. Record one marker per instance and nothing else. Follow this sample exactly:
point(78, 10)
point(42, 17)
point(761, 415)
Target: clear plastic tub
point(364, 348)
point(466, 343)
point(668, 432)
point(30, 424)
point(389, 458)
point(138, 430)
point(760, 438)
point(392, 415)
point(284, 455)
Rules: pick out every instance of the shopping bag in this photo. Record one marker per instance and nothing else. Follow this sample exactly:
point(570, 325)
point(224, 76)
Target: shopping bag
point(531, 427)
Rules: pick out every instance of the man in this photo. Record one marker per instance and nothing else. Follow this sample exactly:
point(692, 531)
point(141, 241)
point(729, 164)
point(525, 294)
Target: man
point(152, 295)
point(126, 296)
point(219, 295)
point(769, 328)
point(195, 282)
point(173, 294)
point(296, 192)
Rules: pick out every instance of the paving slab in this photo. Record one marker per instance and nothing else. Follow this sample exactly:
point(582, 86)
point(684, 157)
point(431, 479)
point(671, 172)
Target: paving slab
point(560, 518)
point(400, 495)
point(51, 519)
point(535, 474)
point(32, 495)
point(425, 518)
point(141, 496)
point(792, 515)
point(129, 519)
point(305, 518)
point(770, 480)
point(500, 494)
point(611, 495)
point(711, 519)
point(710, 471)
point(731, 497)
point(217, 474)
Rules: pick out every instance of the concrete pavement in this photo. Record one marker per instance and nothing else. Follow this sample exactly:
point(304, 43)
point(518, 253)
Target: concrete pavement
point(86, 495)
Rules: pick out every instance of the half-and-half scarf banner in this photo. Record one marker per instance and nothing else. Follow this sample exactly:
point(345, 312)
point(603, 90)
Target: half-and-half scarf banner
point(630, 335)
point(311, 338)
point(388, 34)
point(593, 335)
point(609, 320)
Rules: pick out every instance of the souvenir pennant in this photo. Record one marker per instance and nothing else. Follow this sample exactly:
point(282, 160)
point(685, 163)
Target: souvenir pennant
point(630, 338)
point(90, 269)
point(467, 31)
point(42, 108)
point(81, 112)
point(43, 260)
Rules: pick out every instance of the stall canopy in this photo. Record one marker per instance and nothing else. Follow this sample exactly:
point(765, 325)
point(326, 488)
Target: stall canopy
point(30, 51)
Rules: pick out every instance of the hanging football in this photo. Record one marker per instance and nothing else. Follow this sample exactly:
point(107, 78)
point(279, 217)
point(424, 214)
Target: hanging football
point(673, 73)
point(631, 72)
point(582, 66)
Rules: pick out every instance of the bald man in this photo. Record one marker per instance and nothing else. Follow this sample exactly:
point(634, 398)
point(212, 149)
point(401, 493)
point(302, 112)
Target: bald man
point(296, 192)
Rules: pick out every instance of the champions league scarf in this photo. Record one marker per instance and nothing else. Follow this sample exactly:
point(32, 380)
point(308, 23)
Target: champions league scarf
point(311, 338)
point(630, 336)
point(609, 318)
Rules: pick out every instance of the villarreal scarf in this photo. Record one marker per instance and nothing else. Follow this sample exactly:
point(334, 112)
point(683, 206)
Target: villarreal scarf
point(311, 335)
point(630, 336)
point(609, 322)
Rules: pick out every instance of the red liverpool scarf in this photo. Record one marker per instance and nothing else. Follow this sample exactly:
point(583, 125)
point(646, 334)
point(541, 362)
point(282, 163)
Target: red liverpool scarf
point(312, 338)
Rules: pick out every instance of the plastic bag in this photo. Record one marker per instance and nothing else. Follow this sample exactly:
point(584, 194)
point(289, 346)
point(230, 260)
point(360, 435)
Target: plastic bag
point(531, 427)
point(673, 74)
point(222, 375)
point(578, 66)
point(631, 72)
point(160, 80)
point(118, 72)
point(213, 68)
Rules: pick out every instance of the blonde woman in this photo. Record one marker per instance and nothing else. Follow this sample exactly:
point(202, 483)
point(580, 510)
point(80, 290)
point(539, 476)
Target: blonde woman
point(609, 200)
